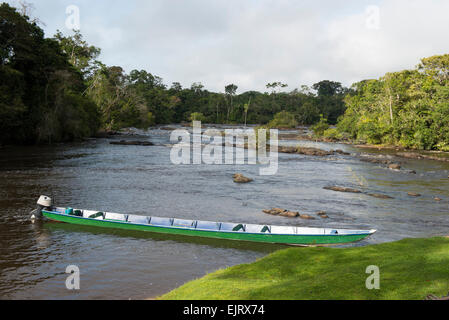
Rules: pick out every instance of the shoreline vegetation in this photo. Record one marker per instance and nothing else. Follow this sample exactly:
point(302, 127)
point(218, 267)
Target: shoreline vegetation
point(410, 269)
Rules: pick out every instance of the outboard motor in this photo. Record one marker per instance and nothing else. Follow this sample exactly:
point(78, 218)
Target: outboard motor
point(44, 202)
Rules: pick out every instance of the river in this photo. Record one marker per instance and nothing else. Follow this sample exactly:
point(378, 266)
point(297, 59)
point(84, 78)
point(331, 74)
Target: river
point(117, 264)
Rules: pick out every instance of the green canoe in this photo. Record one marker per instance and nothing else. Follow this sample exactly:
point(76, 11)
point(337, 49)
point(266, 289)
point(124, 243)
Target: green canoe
point(231, 231)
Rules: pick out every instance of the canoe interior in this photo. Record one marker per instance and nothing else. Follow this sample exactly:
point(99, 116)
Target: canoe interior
point(228, 230)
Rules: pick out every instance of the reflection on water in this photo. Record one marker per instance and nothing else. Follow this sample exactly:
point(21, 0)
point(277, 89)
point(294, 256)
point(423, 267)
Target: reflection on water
point(141, 180)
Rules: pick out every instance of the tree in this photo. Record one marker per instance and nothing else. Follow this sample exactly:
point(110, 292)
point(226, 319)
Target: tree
point(46, 103)
point(230, 91)
point(275, 86)
point(81, 55)
point(328, 88)
point(246, 108)
point(176, 87)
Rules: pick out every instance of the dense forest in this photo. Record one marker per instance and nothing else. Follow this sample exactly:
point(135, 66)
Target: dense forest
point(409, 108)
point(56, 89)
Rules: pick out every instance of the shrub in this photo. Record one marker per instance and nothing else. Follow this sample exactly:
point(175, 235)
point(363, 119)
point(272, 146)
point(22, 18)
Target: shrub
point(283, 119)
point(320, 127)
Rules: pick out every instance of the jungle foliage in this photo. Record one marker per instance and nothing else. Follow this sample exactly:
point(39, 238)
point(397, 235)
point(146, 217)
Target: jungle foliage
point(409, 108)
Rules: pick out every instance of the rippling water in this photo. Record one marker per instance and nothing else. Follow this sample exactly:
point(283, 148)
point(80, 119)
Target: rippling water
point(117, 264)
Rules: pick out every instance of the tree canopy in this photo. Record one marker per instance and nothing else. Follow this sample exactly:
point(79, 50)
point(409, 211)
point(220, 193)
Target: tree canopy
point(409, 108)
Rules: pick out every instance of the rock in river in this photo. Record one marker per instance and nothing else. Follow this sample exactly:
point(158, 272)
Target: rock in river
point(240, 178)
point(289, 214)
point(306, 217)
point(313, 152)
point(379, 195)
point(274, 211)
point(132, 143)
point(413, 194)
point(343, 189)
point(305, 151)
point(322, 214)
point(394, 166)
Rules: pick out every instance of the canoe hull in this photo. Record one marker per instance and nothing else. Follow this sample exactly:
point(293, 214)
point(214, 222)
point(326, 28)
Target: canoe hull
point(241, 236)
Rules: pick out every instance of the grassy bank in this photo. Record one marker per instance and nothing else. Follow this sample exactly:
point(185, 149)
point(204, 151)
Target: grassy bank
point(409, 269)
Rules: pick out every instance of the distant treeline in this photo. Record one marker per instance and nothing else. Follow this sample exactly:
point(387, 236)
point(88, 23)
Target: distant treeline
point(55, 89)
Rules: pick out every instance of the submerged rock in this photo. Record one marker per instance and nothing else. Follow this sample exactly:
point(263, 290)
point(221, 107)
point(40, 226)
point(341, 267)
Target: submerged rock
point(342, 152)
point(306, 217)
point(305, 151)
point(342, 189)
point(132, 143)
point(240, 178)
point(373, 160)
point(414, 155)
point(314, 152)
point(322, 214)
point(437, 199)
point(287, 149)
point(380, 196)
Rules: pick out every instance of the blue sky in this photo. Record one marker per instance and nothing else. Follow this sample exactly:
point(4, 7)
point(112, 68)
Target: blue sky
point(251, 43)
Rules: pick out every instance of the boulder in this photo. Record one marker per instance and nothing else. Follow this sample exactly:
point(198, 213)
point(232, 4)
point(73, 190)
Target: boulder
point(289, 214)
point(413, 194)
point(282, 213)
point(240, 178)
point(274, 211)
point(394, 166)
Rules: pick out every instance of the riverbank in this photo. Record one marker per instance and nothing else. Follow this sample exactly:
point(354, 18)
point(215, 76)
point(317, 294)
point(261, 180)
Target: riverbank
point(410, 269)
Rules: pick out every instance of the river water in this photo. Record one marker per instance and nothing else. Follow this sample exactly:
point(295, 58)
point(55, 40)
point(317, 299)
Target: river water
point(118, 264)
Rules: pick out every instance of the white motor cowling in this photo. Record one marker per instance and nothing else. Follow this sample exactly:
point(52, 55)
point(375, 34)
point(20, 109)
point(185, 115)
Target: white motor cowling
point(44, 201)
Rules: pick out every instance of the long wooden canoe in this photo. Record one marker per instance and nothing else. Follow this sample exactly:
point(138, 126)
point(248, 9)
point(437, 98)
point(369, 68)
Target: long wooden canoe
point(222, 230)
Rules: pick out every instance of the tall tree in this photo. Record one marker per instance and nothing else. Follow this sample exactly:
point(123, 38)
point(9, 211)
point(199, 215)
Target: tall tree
point(230, 91)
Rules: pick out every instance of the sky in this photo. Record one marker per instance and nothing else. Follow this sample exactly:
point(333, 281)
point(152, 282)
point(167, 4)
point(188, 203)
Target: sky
point(254, 42)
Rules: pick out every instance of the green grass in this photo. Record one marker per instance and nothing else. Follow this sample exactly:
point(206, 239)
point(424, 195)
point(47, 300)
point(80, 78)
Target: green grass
point(409, 269)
